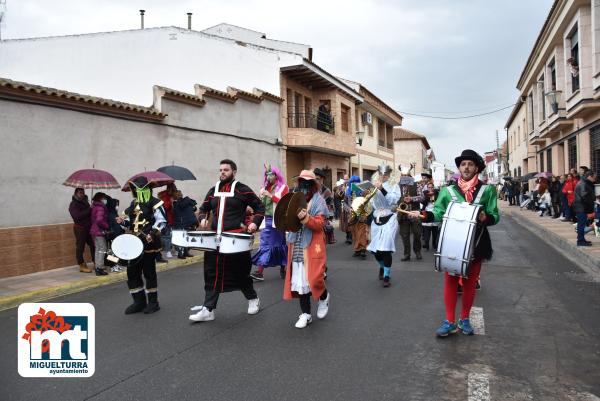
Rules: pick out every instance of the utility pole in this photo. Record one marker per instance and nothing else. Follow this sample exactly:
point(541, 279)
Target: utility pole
point(498, 153)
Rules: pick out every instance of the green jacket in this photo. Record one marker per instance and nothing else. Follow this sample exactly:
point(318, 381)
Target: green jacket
point(488, 200)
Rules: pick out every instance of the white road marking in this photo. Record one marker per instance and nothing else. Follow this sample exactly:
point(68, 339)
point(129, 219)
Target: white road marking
point(479, 387)
point(476, 319)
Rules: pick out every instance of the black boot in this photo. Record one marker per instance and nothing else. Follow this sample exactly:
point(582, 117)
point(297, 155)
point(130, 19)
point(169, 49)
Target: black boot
point(139, 303)
point(381, 273)
point(152, 303)
point(282, 272)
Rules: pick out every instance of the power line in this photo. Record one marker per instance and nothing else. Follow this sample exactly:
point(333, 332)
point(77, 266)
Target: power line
point(482, 109)
point(455, 118)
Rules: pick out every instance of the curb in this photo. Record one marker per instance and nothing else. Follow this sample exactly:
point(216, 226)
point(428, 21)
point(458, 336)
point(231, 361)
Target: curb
point(87, 284)
point(584, 261)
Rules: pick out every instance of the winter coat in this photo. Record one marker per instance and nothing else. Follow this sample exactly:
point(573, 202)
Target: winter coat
point(584, 197)
point(112, 213)
point(80, 212)
point(555, 191)
point(99, 219)
point(569, 190)
point(183, 212)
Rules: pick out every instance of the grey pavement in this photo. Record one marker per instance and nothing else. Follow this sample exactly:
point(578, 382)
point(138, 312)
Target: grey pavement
point(541, 342)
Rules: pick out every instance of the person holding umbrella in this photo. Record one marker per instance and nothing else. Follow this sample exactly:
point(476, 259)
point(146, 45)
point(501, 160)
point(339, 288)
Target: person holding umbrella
point(80, 211)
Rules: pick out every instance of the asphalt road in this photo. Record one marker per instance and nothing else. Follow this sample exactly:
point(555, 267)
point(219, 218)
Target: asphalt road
point(541, 341)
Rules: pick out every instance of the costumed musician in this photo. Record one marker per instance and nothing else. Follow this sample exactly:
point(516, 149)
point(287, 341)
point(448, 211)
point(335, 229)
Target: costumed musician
point(228, 201)
point(470, 189)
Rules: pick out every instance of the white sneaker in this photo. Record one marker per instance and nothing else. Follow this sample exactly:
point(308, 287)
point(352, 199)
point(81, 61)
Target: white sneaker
point(204, 315)
point(253, 306)
point(323, 307)
point(196, 308)
point(563, 218)
point(169, 255)
point(303, 320)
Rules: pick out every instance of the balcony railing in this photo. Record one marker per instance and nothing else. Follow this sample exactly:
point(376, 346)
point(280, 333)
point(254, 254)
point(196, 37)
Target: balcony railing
point(321, 121)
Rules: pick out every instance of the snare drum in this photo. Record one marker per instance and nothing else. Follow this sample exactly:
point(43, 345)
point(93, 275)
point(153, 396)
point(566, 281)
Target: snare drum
point(236, 242)
point(203, 240)
point(457, 239)
point(128, 248)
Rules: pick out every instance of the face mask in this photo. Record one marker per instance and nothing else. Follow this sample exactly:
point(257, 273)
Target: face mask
point(104, 201)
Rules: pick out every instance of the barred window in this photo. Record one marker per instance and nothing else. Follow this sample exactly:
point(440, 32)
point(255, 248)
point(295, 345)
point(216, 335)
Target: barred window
point(549, 160)
point(572, 148)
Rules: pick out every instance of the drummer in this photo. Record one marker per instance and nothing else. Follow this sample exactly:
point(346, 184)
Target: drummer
point(469, 189)
point(228, 201)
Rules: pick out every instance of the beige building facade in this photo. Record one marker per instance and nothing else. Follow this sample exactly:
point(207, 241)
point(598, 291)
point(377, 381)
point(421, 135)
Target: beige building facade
point(375, 122)
point(411, 149)
point(558, 110)
point(319, 125)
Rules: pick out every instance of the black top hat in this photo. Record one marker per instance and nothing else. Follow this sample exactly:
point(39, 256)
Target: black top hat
point(318, 172)
point(469, 154)
point(139, 182)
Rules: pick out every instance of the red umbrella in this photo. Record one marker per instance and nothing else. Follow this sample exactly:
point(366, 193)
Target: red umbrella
point(91, 178)
point(155, 178)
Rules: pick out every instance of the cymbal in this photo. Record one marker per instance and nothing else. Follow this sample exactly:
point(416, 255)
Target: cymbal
point(281, 211)
point(297, 202)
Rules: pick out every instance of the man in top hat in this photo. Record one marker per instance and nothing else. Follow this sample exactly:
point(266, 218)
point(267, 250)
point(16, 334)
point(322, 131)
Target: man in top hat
point(468, 189)
point(146, 219)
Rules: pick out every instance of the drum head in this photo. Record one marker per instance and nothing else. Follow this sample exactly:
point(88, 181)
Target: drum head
point(297, 202)
point(281, 211)
point(127, 247)
point(201, 233)
point(237, 235)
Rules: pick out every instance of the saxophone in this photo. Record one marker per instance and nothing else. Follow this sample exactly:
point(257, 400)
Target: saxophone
point(361, 207)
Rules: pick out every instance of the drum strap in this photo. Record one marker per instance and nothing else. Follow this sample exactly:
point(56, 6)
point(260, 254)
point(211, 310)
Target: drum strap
point(223, 196)
point(452, 193)
point(480, 194)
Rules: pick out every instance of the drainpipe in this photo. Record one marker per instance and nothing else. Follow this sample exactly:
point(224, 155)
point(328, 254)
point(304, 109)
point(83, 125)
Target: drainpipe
point(142, 18)
point(189, 20)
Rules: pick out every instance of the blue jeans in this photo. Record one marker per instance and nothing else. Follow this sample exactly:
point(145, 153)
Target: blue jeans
point(581, 220)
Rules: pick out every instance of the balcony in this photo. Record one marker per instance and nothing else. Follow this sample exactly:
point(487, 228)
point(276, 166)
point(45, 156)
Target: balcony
point(310, 132)
point(323, 122)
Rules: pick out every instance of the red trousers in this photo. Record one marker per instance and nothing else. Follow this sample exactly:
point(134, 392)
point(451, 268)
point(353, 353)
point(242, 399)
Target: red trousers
point(468, 292)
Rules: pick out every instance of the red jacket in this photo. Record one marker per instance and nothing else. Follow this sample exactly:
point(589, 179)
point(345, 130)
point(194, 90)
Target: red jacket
point(168, 205)
point(569, 190)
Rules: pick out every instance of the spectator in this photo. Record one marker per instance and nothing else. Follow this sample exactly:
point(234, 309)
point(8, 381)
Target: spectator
point(167, 197)
point(184, 218)
point(544, 198)
point(430, 229)
point(555, 194)
point(80, 211)
point(98, 231)
point(569, 192)
point(583, 204)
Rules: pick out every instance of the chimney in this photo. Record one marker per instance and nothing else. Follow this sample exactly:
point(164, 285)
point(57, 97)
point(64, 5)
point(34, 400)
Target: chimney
point(142, 17)
point(189, 20)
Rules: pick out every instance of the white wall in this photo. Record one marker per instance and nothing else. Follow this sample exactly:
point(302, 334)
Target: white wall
point(125, 65)
point(43, 145)
point(257, 38)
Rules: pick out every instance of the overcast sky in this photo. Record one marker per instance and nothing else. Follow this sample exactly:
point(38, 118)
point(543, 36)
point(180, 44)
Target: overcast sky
point(445, 58)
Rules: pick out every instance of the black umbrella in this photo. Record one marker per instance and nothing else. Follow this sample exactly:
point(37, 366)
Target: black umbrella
point(177, 173)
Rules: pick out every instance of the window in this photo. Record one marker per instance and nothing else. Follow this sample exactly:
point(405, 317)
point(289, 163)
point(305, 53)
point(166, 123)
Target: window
point(549, 160)
point(381, 133)
point(519, 171)
point(530, 112)
point(573, 61)
point(595, 149)
point(542, 100)
point(541, 161)
point(308, 114)
point(345, 117)
point(389, 134)
point(572, 149)
point(552, 68)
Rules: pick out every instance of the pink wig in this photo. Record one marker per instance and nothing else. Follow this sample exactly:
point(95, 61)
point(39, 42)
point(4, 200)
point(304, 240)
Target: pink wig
point(279, 180)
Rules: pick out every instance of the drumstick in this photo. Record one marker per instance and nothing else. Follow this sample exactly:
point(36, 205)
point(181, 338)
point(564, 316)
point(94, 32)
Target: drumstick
point(407, 212)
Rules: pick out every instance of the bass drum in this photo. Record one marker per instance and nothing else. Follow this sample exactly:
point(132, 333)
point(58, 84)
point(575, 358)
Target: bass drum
point(457, 239)
point(128, 248)
point(236, 242)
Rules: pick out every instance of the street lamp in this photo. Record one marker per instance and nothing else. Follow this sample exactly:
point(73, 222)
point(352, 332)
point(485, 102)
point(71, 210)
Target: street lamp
point(554, 98)
point(360, 135)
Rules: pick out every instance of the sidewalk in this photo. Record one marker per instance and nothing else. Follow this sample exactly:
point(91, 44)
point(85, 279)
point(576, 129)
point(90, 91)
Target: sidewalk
point(39, 286)
point(559, 233)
